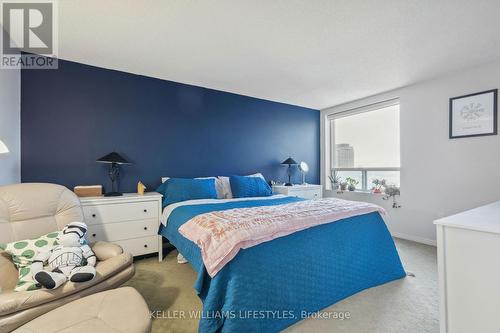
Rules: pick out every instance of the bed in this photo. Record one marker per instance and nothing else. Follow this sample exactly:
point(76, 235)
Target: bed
point(270, 286)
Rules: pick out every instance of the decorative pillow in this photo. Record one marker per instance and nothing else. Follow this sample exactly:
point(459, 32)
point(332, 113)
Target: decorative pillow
point(181, 189)
point(162, 189)
point(219, 186)
point(226, 185)
point(244, 187)
point(219, 189)
point(23, 252)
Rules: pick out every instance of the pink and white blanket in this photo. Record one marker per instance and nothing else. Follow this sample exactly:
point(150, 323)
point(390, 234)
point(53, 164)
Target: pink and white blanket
point(221, 234)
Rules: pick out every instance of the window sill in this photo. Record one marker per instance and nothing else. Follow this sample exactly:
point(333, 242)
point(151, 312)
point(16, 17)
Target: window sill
point(357, 192)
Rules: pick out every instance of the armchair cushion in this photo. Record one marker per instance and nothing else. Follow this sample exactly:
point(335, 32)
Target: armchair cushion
point(11, 301)
point(29, 210)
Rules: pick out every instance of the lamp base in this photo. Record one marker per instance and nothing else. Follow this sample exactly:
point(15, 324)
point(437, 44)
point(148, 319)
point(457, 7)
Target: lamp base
point(288, 184)
point(113, 194)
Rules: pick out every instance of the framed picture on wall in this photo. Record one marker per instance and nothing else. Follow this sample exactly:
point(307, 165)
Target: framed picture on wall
point(474, 114)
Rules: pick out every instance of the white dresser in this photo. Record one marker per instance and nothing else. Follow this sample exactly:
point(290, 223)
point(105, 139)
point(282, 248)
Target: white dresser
point(131, 221)
point(469, 270)
point(306, 191)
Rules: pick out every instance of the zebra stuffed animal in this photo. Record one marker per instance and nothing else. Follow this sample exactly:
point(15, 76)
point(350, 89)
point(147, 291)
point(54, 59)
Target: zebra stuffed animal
point(71, 260)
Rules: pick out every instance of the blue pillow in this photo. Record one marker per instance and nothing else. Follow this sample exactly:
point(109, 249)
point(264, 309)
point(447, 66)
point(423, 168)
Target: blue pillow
point(162, 189)
point(181, 189)
point(244, 187)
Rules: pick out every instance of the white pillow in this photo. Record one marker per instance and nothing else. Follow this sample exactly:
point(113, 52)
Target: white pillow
point(226, 185)
point(219, 188)
point(258, 174)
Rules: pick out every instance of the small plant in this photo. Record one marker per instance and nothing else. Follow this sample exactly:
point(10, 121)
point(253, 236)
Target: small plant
point(377, 185)
point(343, 186)
point(390, 192)
point(352, 183)
point(334, 179)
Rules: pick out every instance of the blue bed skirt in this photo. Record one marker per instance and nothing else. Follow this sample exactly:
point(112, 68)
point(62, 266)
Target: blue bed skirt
point(269, 287)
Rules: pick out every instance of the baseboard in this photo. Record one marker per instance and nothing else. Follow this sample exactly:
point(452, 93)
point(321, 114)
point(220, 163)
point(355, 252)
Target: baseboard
point(426, 241)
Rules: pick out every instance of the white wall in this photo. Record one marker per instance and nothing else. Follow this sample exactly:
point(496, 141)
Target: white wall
point(439, 176)
point(10, 125)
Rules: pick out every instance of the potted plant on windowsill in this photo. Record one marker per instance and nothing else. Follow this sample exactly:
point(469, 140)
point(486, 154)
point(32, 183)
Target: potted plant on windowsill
point(377, 185)
point(390, 192)
point(351, 183)
point(343, 186)
point(335, 180)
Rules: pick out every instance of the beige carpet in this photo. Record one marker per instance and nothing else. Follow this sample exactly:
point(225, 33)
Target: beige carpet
point(407, 305)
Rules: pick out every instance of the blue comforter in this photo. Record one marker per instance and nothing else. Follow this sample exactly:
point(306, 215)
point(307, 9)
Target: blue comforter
point(270, 286)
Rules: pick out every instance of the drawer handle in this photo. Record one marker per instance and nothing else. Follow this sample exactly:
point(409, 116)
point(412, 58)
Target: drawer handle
point(145, 210)
point(145, 245)
point(93, 235)
point(93, 215)
point(145, 228)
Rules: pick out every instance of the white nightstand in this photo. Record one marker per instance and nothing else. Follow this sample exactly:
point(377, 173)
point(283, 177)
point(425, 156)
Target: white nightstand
point(306, 191)
point(131, 221)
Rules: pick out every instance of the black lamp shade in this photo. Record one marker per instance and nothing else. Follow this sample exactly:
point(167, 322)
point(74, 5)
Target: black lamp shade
point(113, 157)
point(289, 161)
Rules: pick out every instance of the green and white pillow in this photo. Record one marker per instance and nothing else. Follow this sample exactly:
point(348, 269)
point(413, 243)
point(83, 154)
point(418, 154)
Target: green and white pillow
point(23, 253)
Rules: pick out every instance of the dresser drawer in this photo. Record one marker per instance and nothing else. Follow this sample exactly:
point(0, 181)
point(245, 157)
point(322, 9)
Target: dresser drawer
point(119, 212)
point(139, 246)
point(123, 230)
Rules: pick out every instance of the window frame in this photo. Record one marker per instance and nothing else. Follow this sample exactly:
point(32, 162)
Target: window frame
point(330, 118)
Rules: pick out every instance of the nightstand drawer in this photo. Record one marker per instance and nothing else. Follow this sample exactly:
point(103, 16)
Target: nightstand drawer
point(306, 194)
point(306, 191)
point(123, 230)
point(139, 246)
point(119, 212)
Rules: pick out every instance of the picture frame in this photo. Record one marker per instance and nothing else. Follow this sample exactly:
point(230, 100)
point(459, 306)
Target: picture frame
point(474, 114)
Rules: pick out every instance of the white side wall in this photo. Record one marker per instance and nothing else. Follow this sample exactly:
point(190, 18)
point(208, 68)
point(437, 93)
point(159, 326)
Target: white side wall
point(10, 125)
point(439, 176)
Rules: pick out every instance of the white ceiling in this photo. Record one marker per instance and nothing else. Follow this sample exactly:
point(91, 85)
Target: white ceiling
point(315, 53)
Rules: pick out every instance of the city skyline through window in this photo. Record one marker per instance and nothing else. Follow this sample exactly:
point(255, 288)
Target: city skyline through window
point(366, 145)
point(368, 139)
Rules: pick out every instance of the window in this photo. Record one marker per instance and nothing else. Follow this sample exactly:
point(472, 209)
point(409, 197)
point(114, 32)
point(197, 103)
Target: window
point(364, 144)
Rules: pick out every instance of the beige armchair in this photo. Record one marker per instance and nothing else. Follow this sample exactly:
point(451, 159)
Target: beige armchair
point(29, 211)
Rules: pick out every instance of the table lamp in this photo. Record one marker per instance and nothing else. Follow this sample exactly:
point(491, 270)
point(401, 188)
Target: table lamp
point(289, 161)
point(3, 148)
point(114, 160)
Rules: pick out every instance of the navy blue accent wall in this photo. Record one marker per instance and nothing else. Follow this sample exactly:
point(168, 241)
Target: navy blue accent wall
point(78, 113)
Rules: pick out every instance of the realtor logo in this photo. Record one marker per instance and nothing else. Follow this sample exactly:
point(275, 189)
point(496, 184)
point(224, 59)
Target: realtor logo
point(29, 34)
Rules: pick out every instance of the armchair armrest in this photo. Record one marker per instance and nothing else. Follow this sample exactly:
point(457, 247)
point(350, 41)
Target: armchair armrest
point(8, 272)
point(105, 250)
